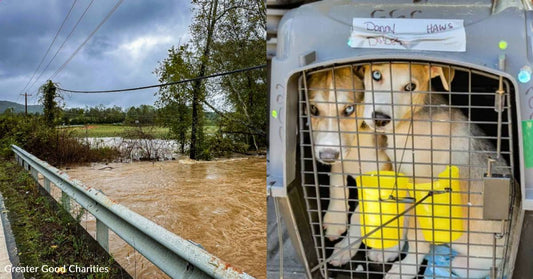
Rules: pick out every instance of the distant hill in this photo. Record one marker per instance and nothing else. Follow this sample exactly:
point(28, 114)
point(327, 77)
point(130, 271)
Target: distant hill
point(20, 107)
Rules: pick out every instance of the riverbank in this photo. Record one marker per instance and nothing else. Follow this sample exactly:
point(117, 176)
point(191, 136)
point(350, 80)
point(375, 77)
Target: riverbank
point(151, 149)
point(48, 239)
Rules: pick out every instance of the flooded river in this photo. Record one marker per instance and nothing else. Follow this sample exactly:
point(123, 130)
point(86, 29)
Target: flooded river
point(219, 204)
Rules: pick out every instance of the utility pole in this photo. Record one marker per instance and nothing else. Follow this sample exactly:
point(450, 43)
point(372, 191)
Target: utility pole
point(26, 102)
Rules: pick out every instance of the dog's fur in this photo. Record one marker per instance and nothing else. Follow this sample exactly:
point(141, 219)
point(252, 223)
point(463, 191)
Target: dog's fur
point(337, 142)
point(419, 149)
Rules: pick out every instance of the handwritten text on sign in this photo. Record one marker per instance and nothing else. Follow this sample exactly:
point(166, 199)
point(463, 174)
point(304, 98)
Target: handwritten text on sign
point(408, 33)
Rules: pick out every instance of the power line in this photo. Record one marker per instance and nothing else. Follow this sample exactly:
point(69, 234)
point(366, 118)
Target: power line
point(51, 44)
point(86, 40)
point(165, 84)
point(63, 44)
point(222, 114)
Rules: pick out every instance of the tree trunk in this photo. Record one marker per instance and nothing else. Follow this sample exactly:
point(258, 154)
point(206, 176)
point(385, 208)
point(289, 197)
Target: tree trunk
point(181, 134)
point(197, 85)
point(250, 105)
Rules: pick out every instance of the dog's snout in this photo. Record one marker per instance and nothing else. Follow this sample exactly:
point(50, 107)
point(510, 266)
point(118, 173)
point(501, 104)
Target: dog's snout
point(328, 155)
point(380, 119)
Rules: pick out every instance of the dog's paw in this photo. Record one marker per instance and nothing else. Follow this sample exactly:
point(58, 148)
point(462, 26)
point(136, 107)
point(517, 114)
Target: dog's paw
point(382, 256)
point(335, 225)
point(393, 276)
point(343, 254)
point(333, 232)
point(407, 272)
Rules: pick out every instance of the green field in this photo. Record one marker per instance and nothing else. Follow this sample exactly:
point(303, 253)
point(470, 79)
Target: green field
point(109, 130)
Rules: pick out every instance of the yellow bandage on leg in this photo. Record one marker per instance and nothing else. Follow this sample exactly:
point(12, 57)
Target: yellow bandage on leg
point(376, 207)
point(440, 216)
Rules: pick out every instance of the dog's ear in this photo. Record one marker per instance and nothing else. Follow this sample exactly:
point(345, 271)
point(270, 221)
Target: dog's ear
point(446, 75)
point(359, 71)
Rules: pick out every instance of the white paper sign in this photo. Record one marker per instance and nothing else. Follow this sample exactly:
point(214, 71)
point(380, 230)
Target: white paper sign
point(409, 33)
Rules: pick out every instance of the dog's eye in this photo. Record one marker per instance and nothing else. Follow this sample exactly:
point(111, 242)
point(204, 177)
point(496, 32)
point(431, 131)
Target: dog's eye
point(313, 110)
point(376, 75)
point(348, 110)
point(409, 87)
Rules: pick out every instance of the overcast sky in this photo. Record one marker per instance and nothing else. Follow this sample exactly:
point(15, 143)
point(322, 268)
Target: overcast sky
point(123, 53)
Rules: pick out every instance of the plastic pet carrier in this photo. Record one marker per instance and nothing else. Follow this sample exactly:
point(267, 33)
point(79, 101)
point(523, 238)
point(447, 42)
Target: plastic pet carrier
point(401, 139)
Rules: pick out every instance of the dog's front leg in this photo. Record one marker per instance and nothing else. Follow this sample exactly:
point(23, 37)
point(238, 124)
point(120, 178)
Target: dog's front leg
point(336, 216)
point(389, 254)
point(347, 248)
point(410, 265)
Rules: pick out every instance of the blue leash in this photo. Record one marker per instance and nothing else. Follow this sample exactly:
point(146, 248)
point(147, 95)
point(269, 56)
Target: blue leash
point(439, 264)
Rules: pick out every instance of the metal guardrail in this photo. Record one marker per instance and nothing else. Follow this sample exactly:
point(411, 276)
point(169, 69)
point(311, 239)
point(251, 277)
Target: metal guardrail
point(177, 257)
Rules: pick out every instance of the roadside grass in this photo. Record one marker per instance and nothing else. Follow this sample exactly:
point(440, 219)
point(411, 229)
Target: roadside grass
point(46, 234)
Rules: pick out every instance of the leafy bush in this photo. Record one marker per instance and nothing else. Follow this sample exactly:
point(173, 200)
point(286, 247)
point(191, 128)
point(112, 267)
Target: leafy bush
point(56, 146)
point(218, 145)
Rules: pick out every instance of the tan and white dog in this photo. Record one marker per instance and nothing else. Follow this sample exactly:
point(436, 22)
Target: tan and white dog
point(340, 140)
point(422, 141)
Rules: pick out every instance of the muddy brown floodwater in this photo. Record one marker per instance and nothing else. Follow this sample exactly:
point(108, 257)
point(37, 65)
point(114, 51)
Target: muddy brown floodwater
point(219, 204)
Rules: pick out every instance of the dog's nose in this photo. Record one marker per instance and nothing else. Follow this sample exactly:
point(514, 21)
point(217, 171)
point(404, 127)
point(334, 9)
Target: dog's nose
point(380, 119)
point(328, 155)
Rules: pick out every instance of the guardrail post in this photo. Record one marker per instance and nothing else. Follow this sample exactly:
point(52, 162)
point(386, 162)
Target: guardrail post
point(34, 174)
point(65, 201)
point(102, 234)
point(47, 185)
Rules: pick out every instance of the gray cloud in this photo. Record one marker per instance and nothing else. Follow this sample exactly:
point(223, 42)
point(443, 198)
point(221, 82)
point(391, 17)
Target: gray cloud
point(123, 53)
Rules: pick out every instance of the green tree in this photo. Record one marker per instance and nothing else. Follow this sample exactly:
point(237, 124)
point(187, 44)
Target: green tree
point(142, 115)
point(174, 100)
point(203, 28)
point(244, 46)
point(51, 100)
point(211, 22)
point(115, 115)
point(212, 49)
